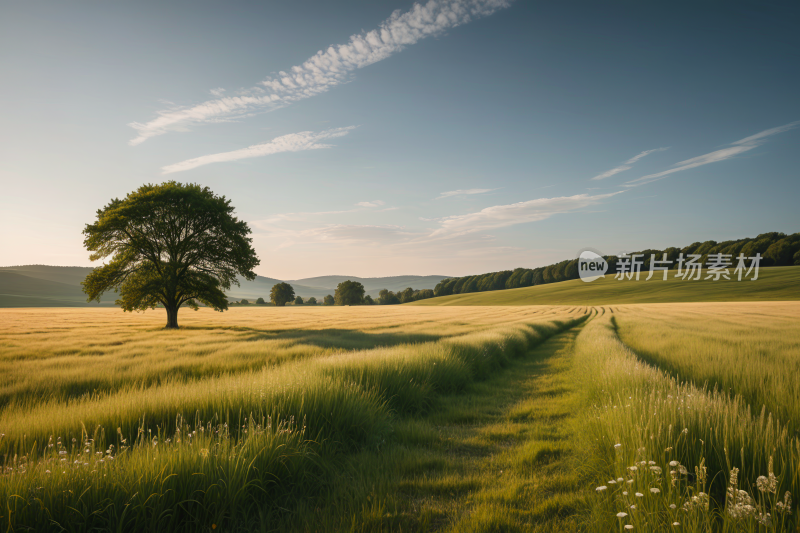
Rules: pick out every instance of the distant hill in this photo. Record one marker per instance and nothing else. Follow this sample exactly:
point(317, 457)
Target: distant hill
point(773, 284)
point(23, 288)
point(54, 286)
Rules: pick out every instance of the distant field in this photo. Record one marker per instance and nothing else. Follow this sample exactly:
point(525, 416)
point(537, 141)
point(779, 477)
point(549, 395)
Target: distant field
point(773, 284)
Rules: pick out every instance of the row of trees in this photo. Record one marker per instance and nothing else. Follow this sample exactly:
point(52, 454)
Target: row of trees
point(776, 249)
point(347, 293)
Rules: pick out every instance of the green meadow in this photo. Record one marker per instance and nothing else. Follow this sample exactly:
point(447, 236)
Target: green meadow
point(773, 284)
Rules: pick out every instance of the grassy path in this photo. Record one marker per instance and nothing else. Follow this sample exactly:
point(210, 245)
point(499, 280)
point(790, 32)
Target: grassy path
point(500, 457)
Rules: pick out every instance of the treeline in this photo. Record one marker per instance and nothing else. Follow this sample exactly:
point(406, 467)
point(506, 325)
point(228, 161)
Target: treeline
point(776, 249)
point(347, 293)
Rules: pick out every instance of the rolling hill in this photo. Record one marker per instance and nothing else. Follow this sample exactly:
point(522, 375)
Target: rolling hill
point(54, 286)
point(773, 284)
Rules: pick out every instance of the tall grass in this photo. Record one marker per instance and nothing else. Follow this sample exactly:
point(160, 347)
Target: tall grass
point(223, 449)
point(62, 354)
point(749, 350)
point(659, 442)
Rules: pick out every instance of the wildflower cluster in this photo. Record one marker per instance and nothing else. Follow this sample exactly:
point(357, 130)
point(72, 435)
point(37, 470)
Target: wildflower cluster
point(742, 508)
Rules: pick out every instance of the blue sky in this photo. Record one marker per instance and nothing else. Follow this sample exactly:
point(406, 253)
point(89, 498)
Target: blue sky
point(377, 138)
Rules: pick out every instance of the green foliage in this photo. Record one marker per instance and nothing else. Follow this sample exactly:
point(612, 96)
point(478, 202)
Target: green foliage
point(349, 293)
point(368, 300)
point(244, 302)
point(773, 284)
point(311, 301)
point(281, 294)
point(776, 249)
point(328, 300)
point(261, 301)
point(298, 301)
point(172, 244)
point(387, 297)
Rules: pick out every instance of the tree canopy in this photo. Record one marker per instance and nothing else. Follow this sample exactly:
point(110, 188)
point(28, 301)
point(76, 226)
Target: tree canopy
point(172, 244)
point(776, 249)
point(328, 300)
point(349, 293)
point(298, 301)
point(281, 294)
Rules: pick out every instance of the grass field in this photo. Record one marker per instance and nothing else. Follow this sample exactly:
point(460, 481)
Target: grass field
point(773, 284)
point(402, 418)
point(110, 422)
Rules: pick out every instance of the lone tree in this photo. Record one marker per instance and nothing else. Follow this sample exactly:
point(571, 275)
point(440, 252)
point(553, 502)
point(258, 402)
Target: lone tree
point(261, 301)
point(281, 294)
point(349, 293)
point(170, 244)
point(328, 300)
point(311, 301)
point(298, 301)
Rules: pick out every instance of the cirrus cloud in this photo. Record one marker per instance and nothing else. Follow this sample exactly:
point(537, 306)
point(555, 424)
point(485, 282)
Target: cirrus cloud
point(739, 147)
point(627, 164)
point(500, 216)
point(293, 142)
point(325, 69)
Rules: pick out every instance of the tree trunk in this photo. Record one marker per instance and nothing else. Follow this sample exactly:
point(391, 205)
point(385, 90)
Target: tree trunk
point(172, 317)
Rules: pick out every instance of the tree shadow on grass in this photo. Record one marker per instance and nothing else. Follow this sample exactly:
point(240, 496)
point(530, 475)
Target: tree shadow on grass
point(338, 338)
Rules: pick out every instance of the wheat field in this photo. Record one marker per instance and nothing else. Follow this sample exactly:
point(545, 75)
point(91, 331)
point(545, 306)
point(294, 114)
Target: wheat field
point(660, 417)
point(110, 422)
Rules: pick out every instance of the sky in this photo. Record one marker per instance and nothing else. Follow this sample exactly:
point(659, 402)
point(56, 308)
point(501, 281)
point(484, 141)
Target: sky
point(379, 138)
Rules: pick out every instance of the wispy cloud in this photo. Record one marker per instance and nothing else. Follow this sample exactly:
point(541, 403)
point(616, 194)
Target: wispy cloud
point(735, 148)
point(294, 142)
point(357, 234)
point(463, 192)
point(327, 68)
point(501, 216)
point(373, 203)
point(627, 164)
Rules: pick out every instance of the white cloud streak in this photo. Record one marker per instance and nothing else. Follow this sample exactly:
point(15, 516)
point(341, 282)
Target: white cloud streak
point(293, 142)
point(463, 192)
point(327, 68)
point(356, 234)
point(736, 148)
point(627, 164)
point(373, 203)
point(501, 216)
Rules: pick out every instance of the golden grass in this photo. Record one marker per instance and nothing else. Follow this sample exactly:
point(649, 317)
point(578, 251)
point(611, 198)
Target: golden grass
point(65, 353)
point(748, 349)
point(262, 392)
point(644, 417)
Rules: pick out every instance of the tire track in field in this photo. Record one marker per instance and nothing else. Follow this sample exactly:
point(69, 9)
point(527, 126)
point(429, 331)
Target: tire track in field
point(504, 455)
